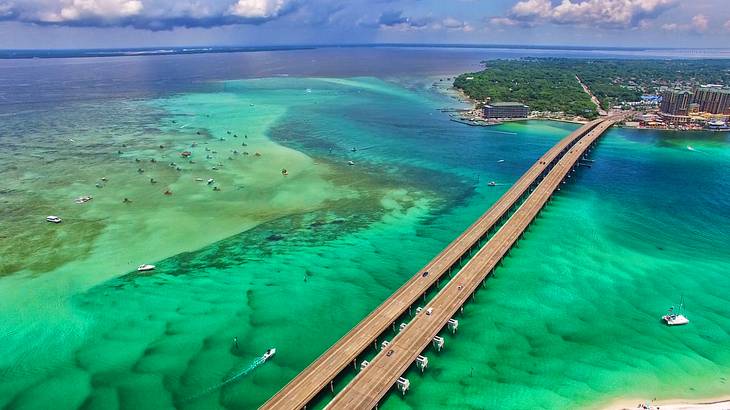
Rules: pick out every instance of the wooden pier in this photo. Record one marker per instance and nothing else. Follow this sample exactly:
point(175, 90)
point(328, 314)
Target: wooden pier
point(365, 390)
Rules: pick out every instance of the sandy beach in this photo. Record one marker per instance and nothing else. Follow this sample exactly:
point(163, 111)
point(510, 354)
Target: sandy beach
point(719, 403)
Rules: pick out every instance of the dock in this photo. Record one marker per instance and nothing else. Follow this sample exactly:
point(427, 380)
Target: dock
point(321, 373)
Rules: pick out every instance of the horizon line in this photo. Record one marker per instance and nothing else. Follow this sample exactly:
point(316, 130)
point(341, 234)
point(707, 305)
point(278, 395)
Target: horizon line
point(21, 53)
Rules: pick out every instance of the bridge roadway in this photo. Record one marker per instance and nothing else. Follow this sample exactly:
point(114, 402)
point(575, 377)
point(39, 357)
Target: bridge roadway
point(374, 381)
point(313, 379)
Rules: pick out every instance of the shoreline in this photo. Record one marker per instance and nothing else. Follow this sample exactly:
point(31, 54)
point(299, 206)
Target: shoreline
point(476, 121)
point(713, 403)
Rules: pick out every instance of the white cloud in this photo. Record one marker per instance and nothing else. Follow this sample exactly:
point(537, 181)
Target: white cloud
point(601, 13)
point(700, 23)
point(145, 14)
point(73, 10)
point(504, 21)
point(532, 8)
point(453, 24)
point(257, 8)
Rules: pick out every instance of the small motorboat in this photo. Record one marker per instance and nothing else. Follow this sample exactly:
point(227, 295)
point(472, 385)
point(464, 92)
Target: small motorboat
point(53, 218)
point(83, 199)
point(500, 161)
point(350, 163)
point(284, 172)
point(492, 183)
point(145, 268)
point(210, 181)
point(186, 154)
point(268, 354)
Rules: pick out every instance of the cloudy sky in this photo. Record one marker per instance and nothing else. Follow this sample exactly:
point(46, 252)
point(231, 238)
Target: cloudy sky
point(135, 23)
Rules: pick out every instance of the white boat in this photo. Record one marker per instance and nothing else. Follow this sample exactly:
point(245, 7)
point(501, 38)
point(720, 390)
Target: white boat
point(492, 183)
point(350, 163)
point(210, 181)
point(677, 318)
point(269, 353)
point(54, 219)
point(145, 268)
point(83, 199)
point(500, 161)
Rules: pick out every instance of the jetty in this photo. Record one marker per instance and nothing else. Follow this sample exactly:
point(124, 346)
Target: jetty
point(484, 244)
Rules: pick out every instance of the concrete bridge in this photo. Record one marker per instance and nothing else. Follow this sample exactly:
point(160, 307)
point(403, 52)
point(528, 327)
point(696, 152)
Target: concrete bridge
point(489, 239)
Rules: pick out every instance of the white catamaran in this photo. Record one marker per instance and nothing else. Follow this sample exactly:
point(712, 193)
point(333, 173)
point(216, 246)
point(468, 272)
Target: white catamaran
point(675, 318)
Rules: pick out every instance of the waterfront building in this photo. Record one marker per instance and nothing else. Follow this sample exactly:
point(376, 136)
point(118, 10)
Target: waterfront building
point(506, 110)
point(712, 100)
point(676, 103)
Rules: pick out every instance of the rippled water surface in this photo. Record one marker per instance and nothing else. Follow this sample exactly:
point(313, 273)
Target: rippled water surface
point(292, 262)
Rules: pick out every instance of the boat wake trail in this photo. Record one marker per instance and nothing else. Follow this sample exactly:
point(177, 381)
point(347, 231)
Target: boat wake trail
point(693, 149)
point(241, 373)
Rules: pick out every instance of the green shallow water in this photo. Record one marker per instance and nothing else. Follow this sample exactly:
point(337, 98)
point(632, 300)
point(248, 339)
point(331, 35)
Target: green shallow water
point(570, 320)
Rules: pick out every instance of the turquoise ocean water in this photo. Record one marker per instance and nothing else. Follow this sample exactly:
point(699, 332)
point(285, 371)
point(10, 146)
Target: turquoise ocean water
point(571, 319)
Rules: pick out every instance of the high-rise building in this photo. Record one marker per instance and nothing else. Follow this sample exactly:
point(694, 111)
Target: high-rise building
point(712, 99)
point(676, 102)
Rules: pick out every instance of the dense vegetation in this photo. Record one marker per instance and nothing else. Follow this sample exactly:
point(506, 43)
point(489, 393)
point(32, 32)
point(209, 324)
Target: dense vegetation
point(550, 84)
point(543, 87)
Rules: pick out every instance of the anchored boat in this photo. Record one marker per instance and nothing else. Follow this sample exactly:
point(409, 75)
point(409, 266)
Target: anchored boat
point(145, 268)
point(676, 318)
